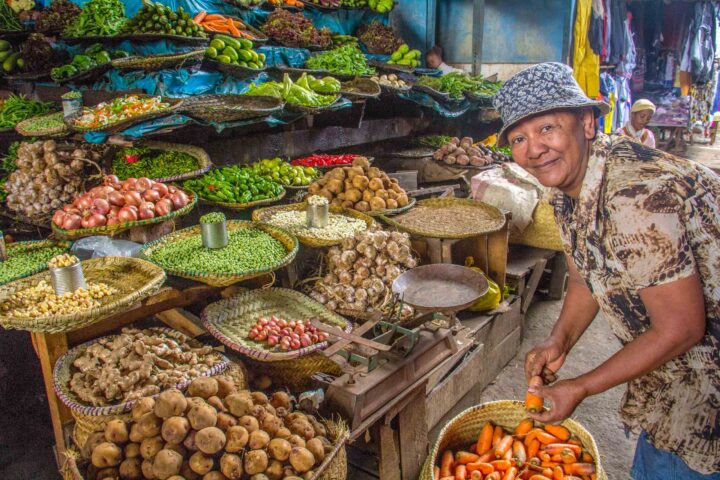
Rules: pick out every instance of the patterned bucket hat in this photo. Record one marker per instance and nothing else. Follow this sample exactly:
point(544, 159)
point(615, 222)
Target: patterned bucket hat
point(538, 89)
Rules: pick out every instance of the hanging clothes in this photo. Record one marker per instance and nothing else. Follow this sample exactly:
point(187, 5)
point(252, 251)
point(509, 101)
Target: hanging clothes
point(607, 30)
point(586, 63)
point(626, 64)
point(618, 10)
point(698, 53)
point(595, 33)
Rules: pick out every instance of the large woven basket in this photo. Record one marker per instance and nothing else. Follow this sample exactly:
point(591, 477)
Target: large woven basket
point(158, 62)
point(121, 125)
point(265, 214)
point(24, 127)
point(360, 88)
point(225, 279)
point(229, 107)
point(543, 232)
point(465, 429)
point(33, 245)
point(393, 211)
point(115, 229)
point(495, 218)
point(203, 159)
point(134, 280)
point(244, 206)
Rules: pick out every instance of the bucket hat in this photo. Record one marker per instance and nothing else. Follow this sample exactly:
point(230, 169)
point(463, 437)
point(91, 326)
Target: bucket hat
point(539, 89)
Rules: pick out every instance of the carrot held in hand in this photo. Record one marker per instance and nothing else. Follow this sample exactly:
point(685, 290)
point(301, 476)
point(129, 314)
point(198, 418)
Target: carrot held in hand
point(533, 403)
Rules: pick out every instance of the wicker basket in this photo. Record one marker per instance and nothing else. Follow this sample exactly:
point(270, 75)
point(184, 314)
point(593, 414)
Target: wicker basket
point(360, 88)
point(264, 215)
point(134, 279)
point(465, 428)
point(128, 122)
point(86, 76)
point(495, 217)
point(226, 279)
point(158, 62)
point(115, 229)
point(389, 67)
point(244, 206)
point(388, 212)
point(437, 95)
point(32, 245)
point(230, 107)
point(203, 159)
point(23, 128)
point(543, 232)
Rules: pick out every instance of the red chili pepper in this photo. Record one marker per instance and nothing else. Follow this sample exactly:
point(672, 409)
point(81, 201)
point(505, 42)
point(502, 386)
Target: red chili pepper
point(211, 187)
point(132, 158)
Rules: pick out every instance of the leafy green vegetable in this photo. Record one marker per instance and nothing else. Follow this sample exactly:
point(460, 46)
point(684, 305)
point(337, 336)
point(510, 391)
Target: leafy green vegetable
point(298, 93)
point(457, 83)
point(98, 17)
point(347, 60)
point(17, 108)
point(134, 162)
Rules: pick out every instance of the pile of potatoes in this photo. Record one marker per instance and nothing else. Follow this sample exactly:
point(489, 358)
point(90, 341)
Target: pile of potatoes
point(212, 432)
point(360, 187)
point(462, 152)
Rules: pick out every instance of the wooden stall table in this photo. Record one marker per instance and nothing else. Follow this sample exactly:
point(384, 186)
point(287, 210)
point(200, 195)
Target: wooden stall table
point(672, 137)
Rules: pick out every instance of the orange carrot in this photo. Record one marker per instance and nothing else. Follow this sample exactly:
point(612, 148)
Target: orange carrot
point(586, 457)
point(558, 473)
point(568, 456)
point(501, 465)
point(464, 458)
point(484, 441)
point(548, 472)
point(487, 456)
point(436, 472)
point(510, 474)
point(575, 441)
point(555, 448)
point(233, 29)
point(494, 476)
point(544, 456)
point(214, 16)
point(476, 475)
point(461, 472)
point(539, 477)
point(533, 448)
point(483, 467)
point(524, 427)
point(545, 438)
point(446, 463)
point(199, 17)
point(580, 468)
point(497, 435)
point(559, 431)
point(503, 446)
point(530, 436)
point(533, 403)
point(519, 453)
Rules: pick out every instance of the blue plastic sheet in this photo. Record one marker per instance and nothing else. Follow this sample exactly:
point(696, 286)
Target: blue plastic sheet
point(449, 110)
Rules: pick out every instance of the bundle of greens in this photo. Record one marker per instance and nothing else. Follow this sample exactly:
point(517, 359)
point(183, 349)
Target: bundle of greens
point(457, 83)
point(17, 108)
point(135, 162)
point(346, 60)
point(9, 21)
point(308, 91)
point(379, 38)
point(295, 30)
point(98, 17)
point(57, 17)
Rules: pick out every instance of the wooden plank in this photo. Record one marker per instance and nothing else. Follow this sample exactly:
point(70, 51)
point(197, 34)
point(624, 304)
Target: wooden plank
point(522, 258)
point(182, 321)
point(50, 347)
point(389, 453)
point(413, 436)
point(497, 256)
point(532, 283)
point(558, 277)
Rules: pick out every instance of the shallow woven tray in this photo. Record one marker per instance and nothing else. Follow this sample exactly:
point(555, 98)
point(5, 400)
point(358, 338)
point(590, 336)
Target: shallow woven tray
point(128, 122)
point(34, 245)
point(360, 88)
point(134, 279)
point(437, 95)
point(496, 220)
point(393, 211)
point(311, 110)
point(61, 130)
point(231, 320)
point(230, 107)
point(87, 75)
point(320, 7)
point(115, 229)
point(264, 215)
point(198, 153)
point(388, 67)
point(62, 373)
point(226, 279)
point(465, 428)
point(236, 71)
point(479, 99)
point(158, 62)
point(244, 206)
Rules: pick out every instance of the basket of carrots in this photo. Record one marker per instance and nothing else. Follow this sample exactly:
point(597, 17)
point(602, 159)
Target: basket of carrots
point(496, 441)
point(227, 25)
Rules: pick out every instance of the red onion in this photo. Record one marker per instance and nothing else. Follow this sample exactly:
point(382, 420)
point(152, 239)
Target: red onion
point(151, 195)
point(295, 344)
point(272, 340)
point(72, 222)
point(100, 206)
point(127, 214)
point(101, 192)
point(110, 179)
point(94, 220)
point(114, 209)
point(129, 184)
point(132, 198)
point(83, 202)
point(143, 183)
point(163, 207)
point(305, 340)
point(116, 198)
point(58, 217)
point(113, 221)
point(172, 189)
point(146, 212)
point(161, 188)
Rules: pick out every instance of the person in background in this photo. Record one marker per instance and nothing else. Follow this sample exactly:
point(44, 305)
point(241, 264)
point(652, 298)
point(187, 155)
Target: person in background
point(641, 113)
point(434, 59)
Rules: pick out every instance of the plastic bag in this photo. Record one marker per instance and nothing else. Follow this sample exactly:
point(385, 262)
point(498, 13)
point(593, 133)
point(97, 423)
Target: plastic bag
point(100, 246)
point(491, 300)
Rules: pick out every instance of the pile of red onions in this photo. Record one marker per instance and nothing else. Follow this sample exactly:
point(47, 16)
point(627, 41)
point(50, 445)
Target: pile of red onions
point(117, 202)
point(286, 335)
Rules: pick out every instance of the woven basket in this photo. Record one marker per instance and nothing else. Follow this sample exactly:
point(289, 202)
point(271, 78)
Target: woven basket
point(153, 37)
point(88, 75)
point(497, 219)
point(437, 95)
point(465, 428)
point(226, 279)
point(134, 279)
point(115, 229)
point(230, 320)
point(203, 159)
point(244, 206)
point(33, 245)
point(361, 88)
point(233, 70)
point(128, 122)
point(543, 232)
point(264, 215)
point(23, 128)
point(230, 107)
point(389, 67)
point(388, 212)
point(158, 62)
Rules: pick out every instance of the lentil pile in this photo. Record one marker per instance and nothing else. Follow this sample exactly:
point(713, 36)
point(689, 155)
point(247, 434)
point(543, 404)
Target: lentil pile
point(22, 262)
point(338, 227)
point(447, 220)
point(248, 249)
point(40, 300)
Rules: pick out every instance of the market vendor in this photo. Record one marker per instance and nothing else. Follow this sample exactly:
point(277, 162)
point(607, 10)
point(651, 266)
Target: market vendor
point(641, 113)
point(641, 230)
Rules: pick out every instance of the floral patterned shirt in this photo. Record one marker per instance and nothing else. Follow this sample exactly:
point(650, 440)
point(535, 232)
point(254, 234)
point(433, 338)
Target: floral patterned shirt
point(646, 218)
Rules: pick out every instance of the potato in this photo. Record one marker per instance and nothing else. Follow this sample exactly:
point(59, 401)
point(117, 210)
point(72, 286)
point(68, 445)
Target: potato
point(170, 403)
point(187, 473)
point(202, 416)
point(301, 459)
point(274, 470)
point(260, 476)
point(93, 440)
point(308, 475)
point(147, 469)
point(296, 440)
point(176, 477)
point(204, 387)
point(151, 446)
point(375, 184)
point(239, 405)
point(403, 200)
point(361, 162)
point(193, 402)
point(106, 455)
point(225, 421)
point(166, 464)
point(143, 406)
point(189, 442)
point(320, 430)
point(327, 444)
point(316, 447)
point(354, 195)
point(258, 439)
point(214, 476)
point(131, 469)
point(382, 193)
point(107, 474)
point(361, 182)
point(201, 463)
point(210, 440)
point(231, 466)
point(116, 431)
point(250, 423)
point(336, 202)
point(279, 449)
point(132, 450)
point(271, 424)
point(362, 206)
point(377, 203)
point(283, 432)
point(374, 172)
point(334, 186)
point(237, 437)
point(225, 386)
point(259, 398)
point(314, 188)
point(175, 429)
point(347, 204)
point(392, 204)
point(176, 448)
point(255, 461)
point(149, 425)
point(135, 435)
point(217, 404)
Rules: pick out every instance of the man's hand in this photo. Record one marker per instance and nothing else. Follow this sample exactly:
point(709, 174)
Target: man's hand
point(545, 360)
point(564, 397)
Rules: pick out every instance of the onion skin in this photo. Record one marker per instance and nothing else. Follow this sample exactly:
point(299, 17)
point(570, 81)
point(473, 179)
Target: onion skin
point(94, 220)
point(161, 188)
point(127, 214)
point(117, 198)
point(179, 199)
point(113, 221)
point(146, 213)
point(143, 183)
point(111, 179)
point(172, 189)
point(151, 195)
point(84, 201)
point(72, 222)
point(129, 184)
point(100, 206)
point(163, 207)
point(59, 217)
point(133, 198)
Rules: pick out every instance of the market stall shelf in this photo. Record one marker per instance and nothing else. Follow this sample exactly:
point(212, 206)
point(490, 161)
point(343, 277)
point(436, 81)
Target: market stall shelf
point(159, 61)
point(131, 279)
point(140, 37)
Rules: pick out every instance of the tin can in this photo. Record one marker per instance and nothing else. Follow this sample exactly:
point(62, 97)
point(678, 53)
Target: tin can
point(67, 279)
point(317, 215)
point(214, 235)
point(71, 106)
